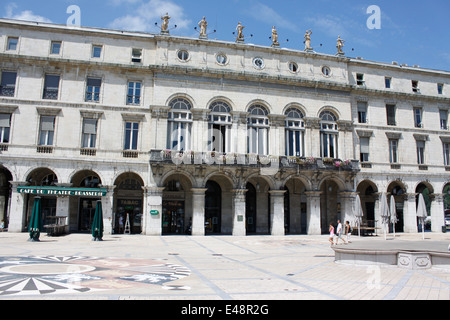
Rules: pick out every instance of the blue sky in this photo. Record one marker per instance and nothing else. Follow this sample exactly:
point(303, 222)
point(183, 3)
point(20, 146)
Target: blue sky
point(412, 32)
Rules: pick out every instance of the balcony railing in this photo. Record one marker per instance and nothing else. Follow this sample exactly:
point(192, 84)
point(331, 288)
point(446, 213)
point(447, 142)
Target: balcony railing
point(251, 160)
point(7, 91)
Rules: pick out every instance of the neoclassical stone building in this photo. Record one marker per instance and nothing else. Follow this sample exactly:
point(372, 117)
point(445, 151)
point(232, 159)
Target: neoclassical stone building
point(181, 135)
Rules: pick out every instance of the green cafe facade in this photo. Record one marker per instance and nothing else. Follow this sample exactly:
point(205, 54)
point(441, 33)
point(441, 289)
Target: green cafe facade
point(73, 201)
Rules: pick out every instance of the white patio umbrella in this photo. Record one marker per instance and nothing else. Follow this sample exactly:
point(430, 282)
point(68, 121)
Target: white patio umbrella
point(384, 212)
point(357, 209)
point(422, 213)
point(393, 210)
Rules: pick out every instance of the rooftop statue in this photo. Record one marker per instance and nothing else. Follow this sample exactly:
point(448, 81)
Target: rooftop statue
point(240, 35)
point(165, 23)
point(203, 25)
point(340, 45)
point(275, 37)
point(308, 40)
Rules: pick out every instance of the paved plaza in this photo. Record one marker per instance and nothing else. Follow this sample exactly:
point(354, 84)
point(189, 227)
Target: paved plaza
point(134, 267)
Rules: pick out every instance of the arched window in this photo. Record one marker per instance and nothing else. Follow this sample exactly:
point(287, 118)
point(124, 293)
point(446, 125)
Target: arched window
point(295, 128)
point(219, 127)
point(179, 125)
point(257, 130)
point(328, 135)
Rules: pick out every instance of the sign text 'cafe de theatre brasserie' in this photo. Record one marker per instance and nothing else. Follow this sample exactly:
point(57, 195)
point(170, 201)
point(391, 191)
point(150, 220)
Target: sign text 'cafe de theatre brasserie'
point(191, 135)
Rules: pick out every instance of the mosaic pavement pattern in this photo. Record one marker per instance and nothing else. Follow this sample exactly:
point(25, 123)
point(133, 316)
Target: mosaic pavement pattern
point(44, 275)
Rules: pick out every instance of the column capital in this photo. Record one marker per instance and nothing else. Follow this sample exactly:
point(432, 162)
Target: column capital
point(199, 191)
point(277, 193)
point(15, 184)
point(239, 191)
point(313, 193)
point(153, 191)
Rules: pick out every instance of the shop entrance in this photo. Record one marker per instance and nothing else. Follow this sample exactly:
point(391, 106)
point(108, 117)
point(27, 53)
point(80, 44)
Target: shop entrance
point(173, 217)
point(213, 205)
point(87, 212)
point(131, 209)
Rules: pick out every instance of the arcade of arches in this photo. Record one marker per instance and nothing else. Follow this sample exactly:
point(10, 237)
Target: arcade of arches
point(218, 207)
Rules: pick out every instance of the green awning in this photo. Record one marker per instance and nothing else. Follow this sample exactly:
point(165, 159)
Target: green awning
point(62, 191)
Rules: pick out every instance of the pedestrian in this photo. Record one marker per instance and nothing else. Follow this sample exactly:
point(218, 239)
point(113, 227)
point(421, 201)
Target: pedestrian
point(348, 230)
point(120, 224)
point(339, 232)
point(331, 229)
point(2, 225)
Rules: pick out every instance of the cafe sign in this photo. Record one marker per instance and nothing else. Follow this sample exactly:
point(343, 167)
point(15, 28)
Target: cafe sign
point(62, 191)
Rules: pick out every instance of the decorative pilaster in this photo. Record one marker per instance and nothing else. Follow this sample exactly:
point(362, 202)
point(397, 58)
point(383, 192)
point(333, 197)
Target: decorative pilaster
point(313, 212)
point(17, 207)
point(409, 213)
point(277, 212)
point(107, 207)
point(437, 212)
point(198, 211)
point(239, 212)
point(152, 210)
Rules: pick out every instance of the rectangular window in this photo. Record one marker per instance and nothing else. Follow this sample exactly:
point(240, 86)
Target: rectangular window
point(96, 51)
point(329, 145)
point(443, 115)
point(134, 93)
point(47, 130)
point(295, 143)
point(5, 125)
point(362, 112)
point(364, 149)
point(89, 134)
point(387, 82)
point(393, 151)
point(51, 86)
point(179, 135)
point(390, 113)
point(131, 135)
point(418, 117)
point(446, 154)
point(8, 84)
point(420, 152)
point(93, 89)
point(136, 55)
point(257, 140)
point(12, 43)
point(440, 88)
point(55, 47)
point(415, 86)
point(360, 79)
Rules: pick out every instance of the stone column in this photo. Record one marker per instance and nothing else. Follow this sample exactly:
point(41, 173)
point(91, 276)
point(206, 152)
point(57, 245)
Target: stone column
point(107, 208)
point(347, 205)
point(17, 207)
point(151, 224)
point(409, 213)
point(198, 211)
point(239, 212)
point(313, 212)
point(277, 212)
point(437, 212)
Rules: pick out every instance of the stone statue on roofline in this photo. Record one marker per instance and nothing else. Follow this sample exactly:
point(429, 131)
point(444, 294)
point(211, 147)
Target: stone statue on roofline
point(308, 40)
point(240, 35)
point(339, 46)
point(203, 26)
point(275, 37)
point(165, 24)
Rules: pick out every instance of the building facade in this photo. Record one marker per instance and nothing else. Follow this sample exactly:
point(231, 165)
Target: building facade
point(180, 135)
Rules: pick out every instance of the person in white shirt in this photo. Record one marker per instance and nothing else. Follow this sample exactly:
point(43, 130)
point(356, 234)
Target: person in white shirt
point(339, 232)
